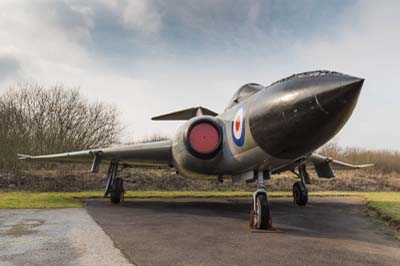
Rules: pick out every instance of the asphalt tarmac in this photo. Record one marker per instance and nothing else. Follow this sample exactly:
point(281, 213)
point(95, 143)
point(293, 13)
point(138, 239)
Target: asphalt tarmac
point(328, 231)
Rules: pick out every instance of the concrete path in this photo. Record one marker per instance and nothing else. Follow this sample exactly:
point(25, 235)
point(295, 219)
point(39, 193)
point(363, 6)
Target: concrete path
point(54, 237)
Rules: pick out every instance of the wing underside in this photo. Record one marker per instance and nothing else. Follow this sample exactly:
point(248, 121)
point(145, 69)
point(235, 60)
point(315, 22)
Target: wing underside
point(144, 154)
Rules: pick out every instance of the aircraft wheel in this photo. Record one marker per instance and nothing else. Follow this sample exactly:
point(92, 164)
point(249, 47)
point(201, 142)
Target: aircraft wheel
point(117, 190)
point(300, 193)
point(260, 216)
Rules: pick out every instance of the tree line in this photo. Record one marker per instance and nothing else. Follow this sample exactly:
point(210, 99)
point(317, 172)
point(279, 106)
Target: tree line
point(38, 120)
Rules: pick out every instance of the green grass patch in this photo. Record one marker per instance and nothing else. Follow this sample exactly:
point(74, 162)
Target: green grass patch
point(26, 200)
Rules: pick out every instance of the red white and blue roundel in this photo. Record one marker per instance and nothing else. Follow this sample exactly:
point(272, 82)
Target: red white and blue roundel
point(238, 130)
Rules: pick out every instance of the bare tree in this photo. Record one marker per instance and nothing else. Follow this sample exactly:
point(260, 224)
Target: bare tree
point(37, 120)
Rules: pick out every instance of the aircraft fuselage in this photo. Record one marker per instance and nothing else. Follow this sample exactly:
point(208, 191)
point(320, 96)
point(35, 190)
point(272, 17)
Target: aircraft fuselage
point(270, 128)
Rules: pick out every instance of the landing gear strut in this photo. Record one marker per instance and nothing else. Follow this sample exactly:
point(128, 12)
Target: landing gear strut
point(300, 192)
point(260, 213)
point(114, 184)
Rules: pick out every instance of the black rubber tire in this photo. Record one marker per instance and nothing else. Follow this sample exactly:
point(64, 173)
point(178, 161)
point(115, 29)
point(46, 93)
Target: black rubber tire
point(117, 188)
point(262, 219)
point(300, 194)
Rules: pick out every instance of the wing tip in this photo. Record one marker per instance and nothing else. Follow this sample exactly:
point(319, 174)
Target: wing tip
point(23, 156)
point(366, 165)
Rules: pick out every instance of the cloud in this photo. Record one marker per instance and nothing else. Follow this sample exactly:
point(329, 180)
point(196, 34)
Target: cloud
point(9, 67)
point(136, 15)
point(37, 33)
point(141, 16)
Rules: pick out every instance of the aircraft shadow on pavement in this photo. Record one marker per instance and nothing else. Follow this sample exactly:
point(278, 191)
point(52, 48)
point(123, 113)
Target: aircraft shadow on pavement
point(327, 218)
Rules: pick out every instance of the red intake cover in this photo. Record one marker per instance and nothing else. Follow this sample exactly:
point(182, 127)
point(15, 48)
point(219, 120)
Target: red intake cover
point(204, 138)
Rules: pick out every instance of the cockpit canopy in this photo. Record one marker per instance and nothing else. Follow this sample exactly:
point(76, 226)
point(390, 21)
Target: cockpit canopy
point(244, 92)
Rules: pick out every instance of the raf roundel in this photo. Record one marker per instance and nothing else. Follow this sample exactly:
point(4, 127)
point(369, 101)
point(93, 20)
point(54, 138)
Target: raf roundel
point(238, 131)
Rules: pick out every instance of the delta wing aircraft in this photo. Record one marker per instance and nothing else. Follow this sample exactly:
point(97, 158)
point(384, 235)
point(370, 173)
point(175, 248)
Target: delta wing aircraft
point(263, 131)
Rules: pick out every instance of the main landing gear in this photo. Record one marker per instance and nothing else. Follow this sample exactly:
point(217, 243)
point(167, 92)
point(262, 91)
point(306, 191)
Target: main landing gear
point(300, 192)
point(114, 185)
point(260, 213)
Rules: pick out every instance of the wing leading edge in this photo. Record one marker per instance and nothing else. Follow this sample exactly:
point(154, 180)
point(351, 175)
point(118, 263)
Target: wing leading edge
point(185, 114)
point(143, 154)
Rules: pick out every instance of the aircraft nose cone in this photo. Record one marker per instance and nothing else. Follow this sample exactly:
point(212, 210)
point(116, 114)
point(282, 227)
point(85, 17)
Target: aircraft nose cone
point(296, 116)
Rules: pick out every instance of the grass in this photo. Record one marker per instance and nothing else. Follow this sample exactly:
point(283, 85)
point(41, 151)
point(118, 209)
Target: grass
point(385, 204)
point(33, 200)
point(27, 200)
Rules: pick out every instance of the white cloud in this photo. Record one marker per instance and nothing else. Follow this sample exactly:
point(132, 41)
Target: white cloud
point(30, 35)
point(137, 15)
point(9, 67)
point(49, 49)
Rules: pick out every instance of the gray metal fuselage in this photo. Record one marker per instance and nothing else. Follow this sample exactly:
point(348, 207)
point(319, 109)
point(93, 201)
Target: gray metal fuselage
point(273, 128)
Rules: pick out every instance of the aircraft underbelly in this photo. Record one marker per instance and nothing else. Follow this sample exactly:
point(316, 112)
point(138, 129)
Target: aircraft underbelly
point(251, 159)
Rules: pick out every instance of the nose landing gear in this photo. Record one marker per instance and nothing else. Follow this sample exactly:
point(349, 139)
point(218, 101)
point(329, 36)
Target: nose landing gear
point(260, 213)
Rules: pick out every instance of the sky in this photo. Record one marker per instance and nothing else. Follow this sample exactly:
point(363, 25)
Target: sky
point(153, 57)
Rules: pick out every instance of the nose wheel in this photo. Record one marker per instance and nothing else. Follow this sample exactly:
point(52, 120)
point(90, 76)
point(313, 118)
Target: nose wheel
point(260, 213)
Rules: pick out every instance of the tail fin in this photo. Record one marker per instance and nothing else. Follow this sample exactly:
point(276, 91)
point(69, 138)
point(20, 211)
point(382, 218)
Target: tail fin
point(185, 114)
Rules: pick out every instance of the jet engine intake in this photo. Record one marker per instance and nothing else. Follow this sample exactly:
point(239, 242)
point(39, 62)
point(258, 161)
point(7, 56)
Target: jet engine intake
point(203, 138)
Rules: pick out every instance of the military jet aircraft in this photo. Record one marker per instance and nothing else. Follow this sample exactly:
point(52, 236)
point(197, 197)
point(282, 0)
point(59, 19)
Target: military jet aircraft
point(263, 131)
